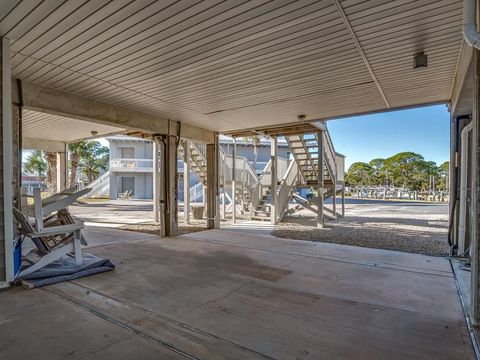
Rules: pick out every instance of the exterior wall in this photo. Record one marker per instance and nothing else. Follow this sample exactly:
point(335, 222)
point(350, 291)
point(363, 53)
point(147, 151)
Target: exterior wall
point(144, 180)
point(143, 184)
point(143, 149)
point(263, 157)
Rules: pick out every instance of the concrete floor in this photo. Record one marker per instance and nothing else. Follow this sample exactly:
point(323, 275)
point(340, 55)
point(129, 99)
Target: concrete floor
point(231, 294)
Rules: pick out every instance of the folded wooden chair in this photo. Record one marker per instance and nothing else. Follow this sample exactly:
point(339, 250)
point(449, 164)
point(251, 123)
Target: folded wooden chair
point(52, 242)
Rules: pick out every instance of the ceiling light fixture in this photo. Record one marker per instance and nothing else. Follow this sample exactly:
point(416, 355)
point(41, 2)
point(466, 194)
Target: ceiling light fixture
point(420, 60)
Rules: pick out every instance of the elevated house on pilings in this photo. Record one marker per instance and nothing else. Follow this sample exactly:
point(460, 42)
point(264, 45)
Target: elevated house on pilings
point(130, 168)
point(314, 165)
point(72, 71)
point(293, 154)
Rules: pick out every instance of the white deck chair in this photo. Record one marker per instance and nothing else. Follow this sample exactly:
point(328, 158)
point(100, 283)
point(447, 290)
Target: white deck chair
point(52, 242)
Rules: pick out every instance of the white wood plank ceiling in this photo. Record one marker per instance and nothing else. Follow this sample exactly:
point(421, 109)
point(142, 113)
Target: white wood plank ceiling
point(37, 125)
point(226, 65)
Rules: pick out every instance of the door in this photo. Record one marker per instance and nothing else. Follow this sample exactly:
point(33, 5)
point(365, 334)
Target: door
point(128, 184)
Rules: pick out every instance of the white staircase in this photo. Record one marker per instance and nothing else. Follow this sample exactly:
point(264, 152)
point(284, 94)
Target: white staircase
point(198, 159)
point(253, 193)
point(100, 186)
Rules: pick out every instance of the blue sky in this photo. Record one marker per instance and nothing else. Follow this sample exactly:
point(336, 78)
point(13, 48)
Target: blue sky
point(422, 130)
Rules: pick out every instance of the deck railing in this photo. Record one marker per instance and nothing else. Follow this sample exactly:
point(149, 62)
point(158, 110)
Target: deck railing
point(131, 165)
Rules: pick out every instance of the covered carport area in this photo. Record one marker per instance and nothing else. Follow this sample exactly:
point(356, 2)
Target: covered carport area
point(177, 69)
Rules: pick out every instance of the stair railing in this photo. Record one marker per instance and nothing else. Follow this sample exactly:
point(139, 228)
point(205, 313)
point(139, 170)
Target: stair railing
point(287, 186)
point(196, 192)
point(330, 155)
point(99, 185)
point(264, 182)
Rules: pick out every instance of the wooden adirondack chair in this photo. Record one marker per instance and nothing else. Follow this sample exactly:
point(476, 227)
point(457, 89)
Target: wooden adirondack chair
point(55, 232)
point(52, 242)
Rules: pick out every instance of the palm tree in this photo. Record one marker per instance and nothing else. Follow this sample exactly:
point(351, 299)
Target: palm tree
point(93, 158)
point(36, 164)
point(75, 150)
point(52, 170)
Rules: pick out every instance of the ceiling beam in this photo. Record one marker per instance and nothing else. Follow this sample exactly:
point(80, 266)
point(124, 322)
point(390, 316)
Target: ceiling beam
point(43, 99)
point(44, 145)
point(461, 98)
point(360, 50)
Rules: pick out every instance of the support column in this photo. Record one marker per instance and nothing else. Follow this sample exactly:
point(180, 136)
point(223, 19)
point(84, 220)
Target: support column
point(273, 186)
point(61, 171)
point(234, 175)
point(321, 181)
point(170, 188)
point(224, 188)
point(475, 270)
point(334, 198)
point(343, 200)
point(186, 181)
point(168, 185)
point(17, 156)
point(156, 181)
point(6, 149)
point(242, 186)
point(213, 208)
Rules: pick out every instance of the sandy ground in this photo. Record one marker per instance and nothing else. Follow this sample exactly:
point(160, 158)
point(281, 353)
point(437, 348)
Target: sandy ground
point(134, 215)
point(414, 227)
point(403, 226)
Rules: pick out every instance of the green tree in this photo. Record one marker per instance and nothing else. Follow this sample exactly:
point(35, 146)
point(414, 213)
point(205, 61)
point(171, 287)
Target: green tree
point(359, 173)
point(378, 171)
point(443, 172)
point(36, 164)
point(424, 176)
point(403, 166)
point(93, 158)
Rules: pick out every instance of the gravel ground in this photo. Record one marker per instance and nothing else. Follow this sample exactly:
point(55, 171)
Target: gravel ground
point(183, 228)
point(403, 226)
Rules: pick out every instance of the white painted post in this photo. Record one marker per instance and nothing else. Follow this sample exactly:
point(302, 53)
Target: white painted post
point(156, 182)
point(6, 187)
point(343, 200)
point(334, 199)
point(186, 181)
point(234, 187)
point(61, 171)
point(273, 157)
point(224, 202)
point(242, 188)
point(224, 188)
point(320, 186)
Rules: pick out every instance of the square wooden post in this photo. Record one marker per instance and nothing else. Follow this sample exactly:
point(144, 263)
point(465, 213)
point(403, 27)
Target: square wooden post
point(213, 208)
point(168, 185)
point(156, 179)
point(273, 186)
point(234, 176)
point(186, 181)
point(6, 187)
point(61, 171)
point(320, 178)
